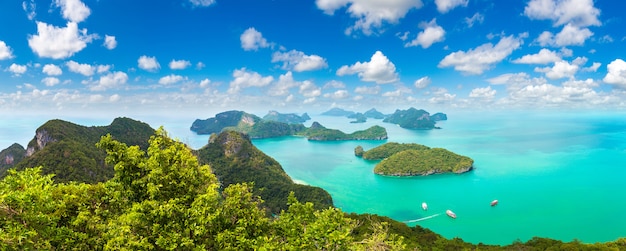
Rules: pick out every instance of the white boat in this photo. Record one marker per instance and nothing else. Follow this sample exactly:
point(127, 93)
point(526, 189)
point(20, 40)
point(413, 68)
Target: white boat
point(424, 206)
point(494, 202)
point(451, 214)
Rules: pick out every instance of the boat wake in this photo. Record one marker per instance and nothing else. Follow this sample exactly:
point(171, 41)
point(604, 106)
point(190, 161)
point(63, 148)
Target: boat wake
point(421, 219)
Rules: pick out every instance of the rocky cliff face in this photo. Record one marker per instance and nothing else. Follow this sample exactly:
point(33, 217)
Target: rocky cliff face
point(42, 138)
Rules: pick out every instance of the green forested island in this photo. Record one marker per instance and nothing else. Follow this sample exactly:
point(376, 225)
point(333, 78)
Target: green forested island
point(164, 196)
point(258, 128)
point(415, 119)
point(289, 118)
point(414, 160)
point(318, 132)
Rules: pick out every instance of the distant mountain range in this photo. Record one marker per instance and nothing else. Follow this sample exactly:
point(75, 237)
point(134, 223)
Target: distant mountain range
point(411, 118)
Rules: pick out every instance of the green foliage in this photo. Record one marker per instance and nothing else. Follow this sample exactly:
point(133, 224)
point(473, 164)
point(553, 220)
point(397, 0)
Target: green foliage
point(234, 160)
point(386, 150)
point(321, 133)
point(68, 150)
point(358, 151)
point(289, 118)
point(423, 162)
point(221, 121)
point(411, 119)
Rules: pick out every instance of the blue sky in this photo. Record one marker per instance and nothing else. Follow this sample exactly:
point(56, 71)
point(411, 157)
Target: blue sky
point(193, 56)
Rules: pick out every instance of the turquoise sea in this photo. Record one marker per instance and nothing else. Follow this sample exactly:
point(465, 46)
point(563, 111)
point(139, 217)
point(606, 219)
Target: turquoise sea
point(556, 175)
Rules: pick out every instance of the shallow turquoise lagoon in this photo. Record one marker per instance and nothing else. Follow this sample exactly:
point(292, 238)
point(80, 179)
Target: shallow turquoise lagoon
point(558, 176)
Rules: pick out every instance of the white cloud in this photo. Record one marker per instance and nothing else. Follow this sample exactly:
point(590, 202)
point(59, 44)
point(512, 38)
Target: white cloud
point(245, 79)
point(110, 42)
point(544, 56)
point(30, 8)
point(282, 86)
point(148, 63)
point(396, 93)
point(73, 10)
point(114, 98)
point(422, 83)
point(5, 51)
point(561, 69)
point(252, 40)
point(84, 69)
point(476, 18)
point(171, 79)
point(111, 80)
point(200, 65)
point(298, 61)
point(367, 90)
point(17, 69)
point(580, 13)
point(444, 6)
point(482, 58)
point(569, 35)
point(58, 43)
point(205, 83)
point(339, 94)
point(431, 34)
point(334, 84)
point(379, 69)
point(483, 93)
point(50, 81)
point(441, 96)
point(310, 90)
point(370, 14)
point(103, 68)
point(593, 68)
point(96, 98)
point(616, 73)
point(202, 3)
point(179, 64)
point(52, 70)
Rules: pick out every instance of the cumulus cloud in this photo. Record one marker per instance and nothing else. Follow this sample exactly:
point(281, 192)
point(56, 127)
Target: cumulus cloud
point(373, 90)
point(483, 93)
point(59, 43)
point(171, 79)
point(444, 6)
point(370, 14)
point(379, 69)
point(5, 51)
point(441, 96)
point(17, 69)
point(561, 69)
point(282, 86)
point(339, 94)
point(544, 56)
point(202, 3)
point(73, 10)
point(252, 40)
point(422, 83)
point(148, 63)
point(432, 33)
point(593, 68)
point(205, 83)
point(298, 61)
point(476, 18)
point(110, 42)
point(110, 81)
point(244, 79)
point(482, 58)
point(310, 90)
point(50, 81)
point(616, 74)
point(570, 35)
point(103, 68)
point(52, 70)
point(114, 98)
point(581, 13)
point(84, 69)
point(179, 64)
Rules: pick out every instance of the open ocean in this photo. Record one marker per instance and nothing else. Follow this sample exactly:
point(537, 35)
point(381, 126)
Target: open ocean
point(561, 176)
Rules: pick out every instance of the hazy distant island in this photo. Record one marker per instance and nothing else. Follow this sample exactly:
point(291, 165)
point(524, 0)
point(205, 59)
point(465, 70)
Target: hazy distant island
point(359, 118)
point(289, 118)
point(415, 119)
point(257, 128)
point(414, 160)
point(338, 112)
